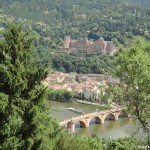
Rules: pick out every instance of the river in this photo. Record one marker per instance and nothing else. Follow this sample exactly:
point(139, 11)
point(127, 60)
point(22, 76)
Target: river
point(110, 128)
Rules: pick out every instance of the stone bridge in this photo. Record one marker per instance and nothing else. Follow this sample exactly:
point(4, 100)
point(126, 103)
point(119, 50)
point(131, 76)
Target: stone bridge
point(85, 119)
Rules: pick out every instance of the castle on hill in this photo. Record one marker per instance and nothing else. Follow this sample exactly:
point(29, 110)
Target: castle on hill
point(83, 45)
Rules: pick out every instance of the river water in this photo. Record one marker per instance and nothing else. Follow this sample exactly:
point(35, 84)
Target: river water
point(110, 128)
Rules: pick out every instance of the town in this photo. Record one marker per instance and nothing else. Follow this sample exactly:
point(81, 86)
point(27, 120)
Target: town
point(84, 86)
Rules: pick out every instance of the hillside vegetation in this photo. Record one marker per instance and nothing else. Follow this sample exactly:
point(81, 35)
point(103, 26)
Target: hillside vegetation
point(51, 20)
point(86, 18)
point(140, 3)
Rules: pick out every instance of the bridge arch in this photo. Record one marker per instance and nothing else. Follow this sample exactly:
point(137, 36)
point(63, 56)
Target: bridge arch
point(82, 124)
point(98, 119)
point(112, 116)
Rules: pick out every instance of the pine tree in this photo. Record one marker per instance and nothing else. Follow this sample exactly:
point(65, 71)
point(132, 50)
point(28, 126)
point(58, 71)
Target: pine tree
point(24, 120)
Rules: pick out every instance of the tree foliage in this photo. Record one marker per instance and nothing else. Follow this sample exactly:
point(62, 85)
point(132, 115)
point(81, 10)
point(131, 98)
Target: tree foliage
point(90, 64)
point(122, 144)
point(24, 118)
point(60, 95)
point(51, 20)
point(133, 92)
point(78, 142)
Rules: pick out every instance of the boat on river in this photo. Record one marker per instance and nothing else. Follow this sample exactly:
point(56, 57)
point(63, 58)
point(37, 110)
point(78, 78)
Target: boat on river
point(75, 110)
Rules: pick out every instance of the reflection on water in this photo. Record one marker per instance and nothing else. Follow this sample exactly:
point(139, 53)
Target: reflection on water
point(112, 128)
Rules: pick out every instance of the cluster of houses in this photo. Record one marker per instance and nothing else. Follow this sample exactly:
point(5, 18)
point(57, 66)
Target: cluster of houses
point(84, 86)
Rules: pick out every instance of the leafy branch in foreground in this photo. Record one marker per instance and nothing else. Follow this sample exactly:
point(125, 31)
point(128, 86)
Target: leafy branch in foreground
point(133, 69)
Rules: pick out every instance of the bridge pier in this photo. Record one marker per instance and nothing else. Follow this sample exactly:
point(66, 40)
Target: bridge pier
point(86, 125)
point(116, 115)
point(102, 121)
point(71, 126)
point(116, 118)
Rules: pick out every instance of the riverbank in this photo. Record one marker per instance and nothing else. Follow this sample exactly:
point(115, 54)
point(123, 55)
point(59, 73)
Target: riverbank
point(88, 103)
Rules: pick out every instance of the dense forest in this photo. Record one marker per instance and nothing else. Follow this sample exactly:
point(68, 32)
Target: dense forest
point(91, 64)
point(51, 20)
point(111, 19)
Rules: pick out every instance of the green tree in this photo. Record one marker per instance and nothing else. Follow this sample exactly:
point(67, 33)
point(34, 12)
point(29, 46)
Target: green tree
point(69, 141)
point(133, 92)
point(24, 118)
point(68, 95)
point(122, 144)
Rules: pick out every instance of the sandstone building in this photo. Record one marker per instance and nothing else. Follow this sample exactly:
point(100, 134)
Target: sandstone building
point(83, 45)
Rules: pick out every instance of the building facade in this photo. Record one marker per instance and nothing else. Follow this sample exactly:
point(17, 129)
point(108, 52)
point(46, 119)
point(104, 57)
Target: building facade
point(83, 45)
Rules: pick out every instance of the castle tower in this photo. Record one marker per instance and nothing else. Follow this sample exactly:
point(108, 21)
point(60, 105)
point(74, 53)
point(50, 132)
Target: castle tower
point(101, 40)
point(102, 44)
point(110, 48)
point(67, 40)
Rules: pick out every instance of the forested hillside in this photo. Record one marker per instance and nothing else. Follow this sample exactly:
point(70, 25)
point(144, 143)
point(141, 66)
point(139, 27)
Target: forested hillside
point(51, 20)
point(91, 64)
point(108, 18)
point(140, 3)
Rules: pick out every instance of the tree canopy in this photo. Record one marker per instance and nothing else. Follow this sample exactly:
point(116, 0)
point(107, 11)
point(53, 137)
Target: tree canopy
point(24, 119)
point(90, 64)
point(133, 93)
point(51, 20)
